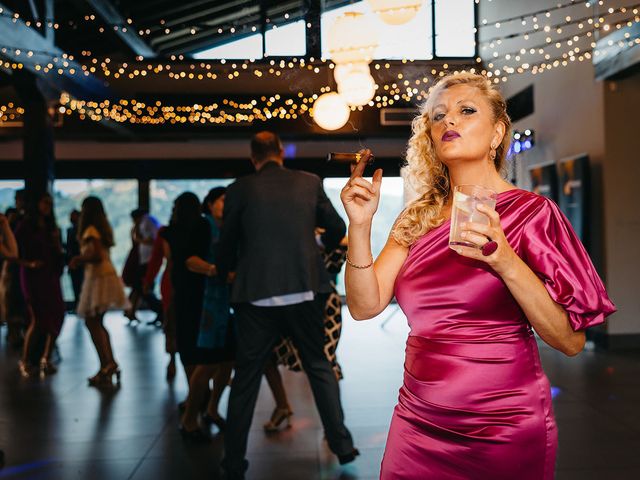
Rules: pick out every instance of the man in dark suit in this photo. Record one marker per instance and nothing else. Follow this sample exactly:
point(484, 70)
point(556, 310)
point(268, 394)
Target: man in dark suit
point(268, 239)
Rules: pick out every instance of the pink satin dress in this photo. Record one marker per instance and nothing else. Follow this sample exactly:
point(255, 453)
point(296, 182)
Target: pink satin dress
point(475, 403)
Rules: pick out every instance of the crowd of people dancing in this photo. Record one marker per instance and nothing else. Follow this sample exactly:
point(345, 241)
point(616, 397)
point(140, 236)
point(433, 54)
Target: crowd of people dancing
point(195, 308)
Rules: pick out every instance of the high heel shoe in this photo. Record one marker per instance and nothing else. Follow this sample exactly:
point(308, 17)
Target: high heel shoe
point(131, 316)
point(278, 416)
point(46, 368)
point(105, 375)
point(24, 369)
point(113, 370)
point(218, 421)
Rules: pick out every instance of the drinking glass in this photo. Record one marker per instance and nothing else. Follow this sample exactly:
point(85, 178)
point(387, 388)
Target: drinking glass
point(466, 199)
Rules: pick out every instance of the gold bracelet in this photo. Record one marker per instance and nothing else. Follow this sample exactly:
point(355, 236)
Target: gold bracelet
point(360, 267)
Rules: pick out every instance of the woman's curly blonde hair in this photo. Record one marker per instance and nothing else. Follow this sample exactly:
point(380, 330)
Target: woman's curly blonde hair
point(427, 174)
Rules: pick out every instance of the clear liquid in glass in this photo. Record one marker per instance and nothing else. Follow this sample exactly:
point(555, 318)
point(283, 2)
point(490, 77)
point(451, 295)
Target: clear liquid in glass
point(466, 199)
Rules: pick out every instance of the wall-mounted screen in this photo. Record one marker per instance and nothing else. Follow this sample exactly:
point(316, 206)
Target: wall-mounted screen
point(573, 194)
point(544, 181)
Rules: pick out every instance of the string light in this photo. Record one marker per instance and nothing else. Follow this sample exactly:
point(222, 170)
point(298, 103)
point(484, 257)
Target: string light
point(276, 107)
point(10, 113)
point(156, 113)
point(523, 17)
point(194, 71)
point(161, 27)
point(265, 108)
point(527, 33)
point(204, 71)
point(540, 48)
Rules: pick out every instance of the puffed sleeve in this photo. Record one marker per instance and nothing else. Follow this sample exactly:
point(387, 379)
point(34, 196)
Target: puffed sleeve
point(554, 252)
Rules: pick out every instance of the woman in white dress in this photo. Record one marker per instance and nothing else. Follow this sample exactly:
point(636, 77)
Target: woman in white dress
point(102, 289)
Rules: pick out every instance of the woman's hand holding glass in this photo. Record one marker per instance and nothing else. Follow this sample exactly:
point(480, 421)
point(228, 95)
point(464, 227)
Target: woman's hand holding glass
point(503, 258)
point(359, 196)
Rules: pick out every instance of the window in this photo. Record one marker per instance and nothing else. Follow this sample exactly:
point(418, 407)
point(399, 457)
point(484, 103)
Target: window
point(7, 193)
point(287, 40)
point(413, 40)
point(164, 192)
point(391, 204)
point(119, 197)
point(248, 47)
point(455, 36)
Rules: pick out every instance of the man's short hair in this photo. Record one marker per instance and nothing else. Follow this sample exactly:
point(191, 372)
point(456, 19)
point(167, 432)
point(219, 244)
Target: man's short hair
point(265, 145)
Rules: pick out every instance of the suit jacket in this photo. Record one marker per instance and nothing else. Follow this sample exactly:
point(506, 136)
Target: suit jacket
point(268, 234)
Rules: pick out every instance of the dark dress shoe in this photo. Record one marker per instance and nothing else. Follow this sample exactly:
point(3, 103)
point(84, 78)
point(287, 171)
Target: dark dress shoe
point(348, 457)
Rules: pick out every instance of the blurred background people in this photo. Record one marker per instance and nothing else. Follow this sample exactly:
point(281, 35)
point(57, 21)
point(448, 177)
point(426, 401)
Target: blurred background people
point(268, 239)
point(102, 289)
point(189, 237)
point(215, 340)
point(42, 264)
point(8, 253)
point(73, 249)
point(160, 254)
point(143, 234)
point(13, 309)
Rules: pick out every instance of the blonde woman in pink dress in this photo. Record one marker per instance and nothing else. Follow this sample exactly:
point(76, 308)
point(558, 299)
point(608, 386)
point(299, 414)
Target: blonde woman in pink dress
point(475, 403)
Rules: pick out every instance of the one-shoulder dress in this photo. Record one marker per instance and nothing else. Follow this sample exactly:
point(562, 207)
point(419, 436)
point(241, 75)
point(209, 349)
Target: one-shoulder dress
point(475, 402)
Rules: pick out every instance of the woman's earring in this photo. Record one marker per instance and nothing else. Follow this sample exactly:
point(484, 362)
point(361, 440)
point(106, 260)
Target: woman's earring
point(492, 152)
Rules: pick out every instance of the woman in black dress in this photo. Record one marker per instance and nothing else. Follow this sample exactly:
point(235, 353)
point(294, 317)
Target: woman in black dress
point(190, 240)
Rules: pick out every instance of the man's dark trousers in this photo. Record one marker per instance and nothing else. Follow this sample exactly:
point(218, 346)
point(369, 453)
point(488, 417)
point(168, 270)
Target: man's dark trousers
point(258, 331)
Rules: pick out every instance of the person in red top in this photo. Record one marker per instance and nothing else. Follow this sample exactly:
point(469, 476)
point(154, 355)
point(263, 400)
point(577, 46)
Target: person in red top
point(160, 252)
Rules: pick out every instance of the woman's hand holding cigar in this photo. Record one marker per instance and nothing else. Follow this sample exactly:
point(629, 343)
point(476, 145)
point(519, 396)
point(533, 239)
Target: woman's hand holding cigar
point(359, 196)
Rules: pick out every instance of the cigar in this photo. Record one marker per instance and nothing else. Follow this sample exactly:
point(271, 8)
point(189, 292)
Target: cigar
point(354, 158)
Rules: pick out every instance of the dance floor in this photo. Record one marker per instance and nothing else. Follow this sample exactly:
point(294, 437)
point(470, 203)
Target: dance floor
point(59, 428)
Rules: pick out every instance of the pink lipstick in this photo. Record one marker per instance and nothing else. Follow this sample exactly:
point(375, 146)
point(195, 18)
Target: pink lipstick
point(450, 135)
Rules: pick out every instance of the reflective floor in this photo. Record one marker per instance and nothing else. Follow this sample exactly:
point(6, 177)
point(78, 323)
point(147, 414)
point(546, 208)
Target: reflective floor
point(59, 428)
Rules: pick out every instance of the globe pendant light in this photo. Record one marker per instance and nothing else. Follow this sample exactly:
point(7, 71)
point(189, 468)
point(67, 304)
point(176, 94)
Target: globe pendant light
point(396, 12)
point(341, 71)
point(352, 39)
point(330, 111)
point(357, 88)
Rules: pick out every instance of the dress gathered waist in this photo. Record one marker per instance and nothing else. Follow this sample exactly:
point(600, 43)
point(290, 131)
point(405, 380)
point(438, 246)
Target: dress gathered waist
point(484, 348)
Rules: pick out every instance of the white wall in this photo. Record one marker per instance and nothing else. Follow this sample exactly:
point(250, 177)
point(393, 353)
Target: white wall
point(621, 174)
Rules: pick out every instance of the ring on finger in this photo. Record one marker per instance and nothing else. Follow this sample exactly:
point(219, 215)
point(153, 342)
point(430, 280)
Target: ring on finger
point(489, 247)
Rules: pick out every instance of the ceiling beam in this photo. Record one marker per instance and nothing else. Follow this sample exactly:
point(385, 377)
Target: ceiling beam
point(17, 37)
point(218, 14)
point(125, 32)
point(208, 38)
point(152, 16)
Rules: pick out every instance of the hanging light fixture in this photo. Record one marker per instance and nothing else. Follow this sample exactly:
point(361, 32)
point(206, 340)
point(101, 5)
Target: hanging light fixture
point(357, 88)
point(341, 71)
point(396, 12)
point(352, 39)
point(330, 111)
